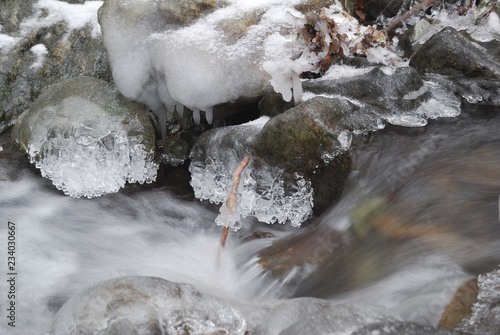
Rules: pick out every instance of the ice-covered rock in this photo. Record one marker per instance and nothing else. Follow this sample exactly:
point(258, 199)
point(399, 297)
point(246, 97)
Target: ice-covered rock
point(316, 316)
point(395, 95)
point(170, 56)
point(87, 138)
point(450, 53)
point(265, 191)
point(167, 55)
point(299, 160)
point(146, 306)
point(407, 328)
point(485, 317)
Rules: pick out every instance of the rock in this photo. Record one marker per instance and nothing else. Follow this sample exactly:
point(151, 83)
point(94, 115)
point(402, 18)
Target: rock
point(45, 48)
point(316, 316)
point(450, 53)
point(485, 317)
point(148, 306)
point(311, 139)
point(460, 305)
point(299, 160)
point(398, 96)
point(87, 138)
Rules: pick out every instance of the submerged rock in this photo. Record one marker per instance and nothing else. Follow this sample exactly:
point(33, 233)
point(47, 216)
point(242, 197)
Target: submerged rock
point(316, 316)
point(450, 53)
point(407, 328)
point(146, 306)
point(43, 43)
point(460, 305)
point(87, 138)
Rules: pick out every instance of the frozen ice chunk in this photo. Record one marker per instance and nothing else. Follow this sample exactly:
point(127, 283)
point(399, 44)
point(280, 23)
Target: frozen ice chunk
point(146, 305)
point(87, 138)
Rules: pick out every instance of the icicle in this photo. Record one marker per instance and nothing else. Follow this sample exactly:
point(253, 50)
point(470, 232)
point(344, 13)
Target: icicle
point(162, 120)
point(170, 109)
point(297, 87)
point(209, 115)
point(196, 115)
point(180, 110)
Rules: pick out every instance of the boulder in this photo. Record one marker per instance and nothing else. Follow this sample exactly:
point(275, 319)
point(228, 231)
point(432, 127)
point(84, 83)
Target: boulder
point(87, 138)
point(45, 46)
point(450, 53)
point(300, 160)
point(387, 95)
point(147, 306)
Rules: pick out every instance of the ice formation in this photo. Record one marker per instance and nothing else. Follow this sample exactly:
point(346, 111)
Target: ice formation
point(87, 139)
point(146, 305)
point(263, 191)
point(165, 63)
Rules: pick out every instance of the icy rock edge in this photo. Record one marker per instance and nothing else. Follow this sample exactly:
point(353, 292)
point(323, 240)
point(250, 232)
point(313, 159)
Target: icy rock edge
point(87, 138)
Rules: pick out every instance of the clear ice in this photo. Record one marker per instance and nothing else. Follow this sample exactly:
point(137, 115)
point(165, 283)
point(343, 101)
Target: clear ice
point(146, 305)
point(86, 145)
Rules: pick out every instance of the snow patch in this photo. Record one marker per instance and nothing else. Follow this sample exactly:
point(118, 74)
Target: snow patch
point(40, 50)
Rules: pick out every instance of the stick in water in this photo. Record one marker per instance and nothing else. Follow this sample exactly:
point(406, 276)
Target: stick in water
point(231, 200)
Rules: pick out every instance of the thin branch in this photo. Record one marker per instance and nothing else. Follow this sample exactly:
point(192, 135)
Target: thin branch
point(420, 6)
point(231, 200)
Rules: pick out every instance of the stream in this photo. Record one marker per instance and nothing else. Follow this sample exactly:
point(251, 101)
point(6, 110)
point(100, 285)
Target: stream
point(443, 175)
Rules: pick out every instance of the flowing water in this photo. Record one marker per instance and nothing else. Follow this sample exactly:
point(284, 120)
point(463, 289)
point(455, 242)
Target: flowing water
point(444, 175)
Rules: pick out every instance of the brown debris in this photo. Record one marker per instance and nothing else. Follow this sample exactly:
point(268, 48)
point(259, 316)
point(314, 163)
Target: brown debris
point(460, 305)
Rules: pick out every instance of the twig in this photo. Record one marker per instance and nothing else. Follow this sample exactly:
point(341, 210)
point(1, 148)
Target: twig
point(231, 200)
point(420, 6)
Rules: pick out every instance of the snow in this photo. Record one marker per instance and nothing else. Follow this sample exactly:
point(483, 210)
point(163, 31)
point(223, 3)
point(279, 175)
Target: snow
point(7, 43)
point(40, 50)
point(76, 16)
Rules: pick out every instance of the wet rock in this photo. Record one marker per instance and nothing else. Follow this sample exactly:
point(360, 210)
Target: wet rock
point(299, 160)
point(450, 53)
point(87, 138)
point(312, 139)
point(398, 96)
point(460, 305)
point(485, 317)
point(316, 316)
point(407, 328)
point(42, 52)
point(146, 305)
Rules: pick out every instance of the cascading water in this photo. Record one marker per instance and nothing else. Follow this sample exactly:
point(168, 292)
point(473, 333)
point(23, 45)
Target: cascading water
point(66, 244)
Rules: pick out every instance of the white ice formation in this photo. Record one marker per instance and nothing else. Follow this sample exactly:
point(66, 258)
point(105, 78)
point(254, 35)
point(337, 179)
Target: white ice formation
point(263, 192)
point(87, 138)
